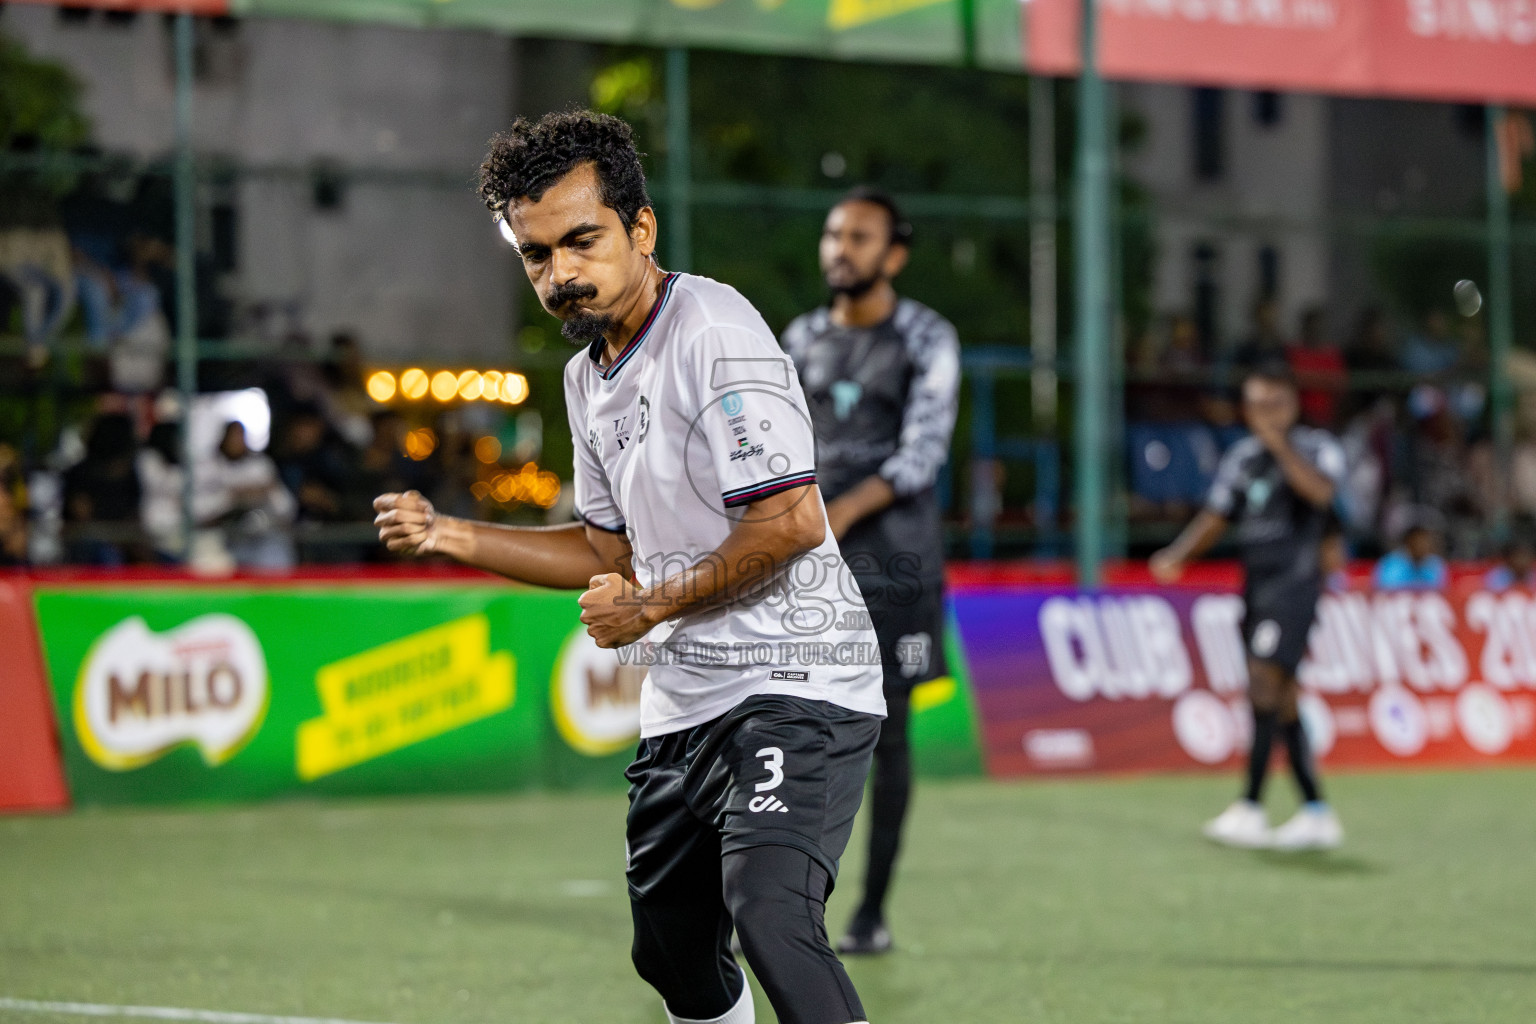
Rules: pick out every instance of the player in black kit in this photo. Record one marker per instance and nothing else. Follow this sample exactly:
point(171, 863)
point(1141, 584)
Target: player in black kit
point(1277, 486)
point(881, 376)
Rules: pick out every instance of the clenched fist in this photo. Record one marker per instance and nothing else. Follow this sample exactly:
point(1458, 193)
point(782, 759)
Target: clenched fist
point(407, 522)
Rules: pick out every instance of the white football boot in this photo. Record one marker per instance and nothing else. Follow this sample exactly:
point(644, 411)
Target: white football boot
point(1243, 824)
point(1313, 827)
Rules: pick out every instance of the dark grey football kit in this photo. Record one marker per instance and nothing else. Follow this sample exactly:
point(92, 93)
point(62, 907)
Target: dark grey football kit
point(883, 401)
point(1279, 535)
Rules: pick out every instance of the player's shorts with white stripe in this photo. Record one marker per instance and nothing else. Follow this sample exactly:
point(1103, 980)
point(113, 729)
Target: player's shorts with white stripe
point(774, 771)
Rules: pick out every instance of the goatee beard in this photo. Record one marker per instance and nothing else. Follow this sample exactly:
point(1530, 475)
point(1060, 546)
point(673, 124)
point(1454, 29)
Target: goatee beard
point(582, 328)
point(855, 289)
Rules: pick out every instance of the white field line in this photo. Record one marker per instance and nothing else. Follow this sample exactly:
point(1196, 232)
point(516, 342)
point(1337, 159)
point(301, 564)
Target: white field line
point(162, 1013)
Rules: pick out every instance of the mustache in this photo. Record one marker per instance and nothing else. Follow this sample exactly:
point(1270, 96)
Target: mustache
point(565, 294)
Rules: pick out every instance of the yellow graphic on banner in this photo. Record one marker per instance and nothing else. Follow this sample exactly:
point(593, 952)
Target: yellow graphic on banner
point(853, 13)
point(403, 692)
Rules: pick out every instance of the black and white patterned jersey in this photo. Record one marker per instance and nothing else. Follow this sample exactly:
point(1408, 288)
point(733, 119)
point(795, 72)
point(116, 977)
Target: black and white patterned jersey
point(1277, 529)
point(697, 418)
point(883, 400)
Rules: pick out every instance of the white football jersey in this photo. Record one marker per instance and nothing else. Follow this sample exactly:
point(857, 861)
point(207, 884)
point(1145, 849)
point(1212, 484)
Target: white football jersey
point(699, 416)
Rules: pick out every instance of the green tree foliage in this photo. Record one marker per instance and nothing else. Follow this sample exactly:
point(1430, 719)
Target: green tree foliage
point(39, 114)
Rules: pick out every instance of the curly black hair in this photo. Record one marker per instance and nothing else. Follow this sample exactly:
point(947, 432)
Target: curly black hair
point(526, 159)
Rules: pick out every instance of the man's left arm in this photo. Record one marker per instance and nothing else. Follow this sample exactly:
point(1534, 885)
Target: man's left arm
point(927, 423)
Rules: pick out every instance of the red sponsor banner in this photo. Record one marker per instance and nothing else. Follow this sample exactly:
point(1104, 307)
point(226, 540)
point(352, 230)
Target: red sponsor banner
point(31, 777)
point(207, 8)
point(1467, 50)
point(1140, 680)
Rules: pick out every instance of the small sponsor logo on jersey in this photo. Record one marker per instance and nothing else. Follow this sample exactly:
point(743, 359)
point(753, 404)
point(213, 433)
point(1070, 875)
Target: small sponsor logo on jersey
point(767, 804)
point(739, 432)
point(644, 426)
point(845, 395)
point(595, 442)
point(735, 420)
point(743, 453)
point(731, 403)
point(621, 431)
point(795, 677)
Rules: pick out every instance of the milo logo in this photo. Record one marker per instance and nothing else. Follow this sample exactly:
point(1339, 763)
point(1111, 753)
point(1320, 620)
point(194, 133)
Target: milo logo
point(140, 694)
point(595, 697)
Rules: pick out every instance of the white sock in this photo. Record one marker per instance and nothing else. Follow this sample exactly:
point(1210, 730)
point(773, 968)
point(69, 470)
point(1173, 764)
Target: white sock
point(742, 1013)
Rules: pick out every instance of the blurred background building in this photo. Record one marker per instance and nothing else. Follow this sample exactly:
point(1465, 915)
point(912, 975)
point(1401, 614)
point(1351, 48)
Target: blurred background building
point(339, 246)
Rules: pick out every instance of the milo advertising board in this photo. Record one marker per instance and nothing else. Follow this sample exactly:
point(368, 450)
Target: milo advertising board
point(175, 692)
point(216, 693)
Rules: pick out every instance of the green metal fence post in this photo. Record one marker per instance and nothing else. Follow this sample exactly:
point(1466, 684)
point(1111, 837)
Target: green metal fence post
point(679, 230)
point(186, 265)
point(1091, 257)
point(1042, 281)
point(1500, 320)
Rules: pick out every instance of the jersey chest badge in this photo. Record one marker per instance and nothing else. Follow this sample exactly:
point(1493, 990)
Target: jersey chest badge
point(845, 395)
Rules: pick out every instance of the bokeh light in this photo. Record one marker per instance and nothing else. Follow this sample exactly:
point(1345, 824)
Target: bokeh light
point(420, 443)
point(471, 385)
point(514, 388)
point(488, 449)
point(445, 384)
point(381, 386)
point(414, 383)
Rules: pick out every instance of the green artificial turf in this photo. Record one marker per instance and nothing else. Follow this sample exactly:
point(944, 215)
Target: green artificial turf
point(1073, 902)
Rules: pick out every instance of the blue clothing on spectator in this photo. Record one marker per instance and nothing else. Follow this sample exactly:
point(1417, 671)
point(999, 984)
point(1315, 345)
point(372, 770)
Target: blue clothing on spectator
point(1397, 571)
point(1428, 355)
point(1502, 577)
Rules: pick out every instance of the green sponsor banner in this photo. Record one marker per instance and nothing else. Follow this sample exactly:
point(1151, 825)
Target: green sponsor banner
point(174, 693)
point(171, 693)
point(919, 31)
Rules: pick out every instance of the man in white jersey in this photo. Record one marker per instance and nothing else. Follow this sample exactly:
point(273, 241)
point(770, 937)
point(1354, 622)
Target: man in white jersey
point(704, 548)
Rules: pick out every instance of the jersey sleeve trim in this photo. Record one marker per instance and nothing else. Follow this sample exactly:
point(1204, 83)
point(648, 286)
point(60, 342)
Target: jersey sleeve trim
point(620, 529)
point(756, 492)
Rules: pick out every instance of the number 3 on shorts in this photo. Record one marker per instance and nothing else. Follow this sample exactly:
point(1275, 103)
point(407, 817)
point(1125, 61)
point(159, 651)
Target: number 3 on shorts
point(774, 762)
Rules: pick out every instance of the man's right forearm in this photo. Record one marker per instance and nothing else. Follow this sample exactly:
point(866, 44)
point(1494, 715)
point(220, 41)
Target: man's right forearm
point(1198, 537)
point(559, 557)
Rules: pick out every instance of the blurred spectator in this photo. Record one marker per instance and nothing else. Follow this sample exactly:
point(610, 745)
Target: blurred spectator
point(313, 464)
point(1266, 344)
point(161, 482)
point(1167, 367)
point(13, 518)
point(1369, 441)
point(1436, 469)
point(103, 490)
point(1370, 347)
point(1320, 372)
point(348, 406)
point(37, 277)
point(1517, 565)
point(238, 494)
point(125, 315)
point(1431, 350)
point(384, 468)
point(1415, 564)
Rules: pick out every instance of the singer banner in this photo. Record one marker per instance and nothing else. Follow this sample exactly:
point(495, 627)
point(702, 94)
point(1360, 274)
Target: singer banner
point(1150, 680)
point(1460, 50)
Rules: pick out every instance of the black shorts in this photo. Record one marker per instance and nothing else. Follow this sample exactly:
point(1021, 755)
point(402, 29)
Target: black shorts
point(909, 623)
point(774, 771)
point(1277, 618)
